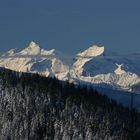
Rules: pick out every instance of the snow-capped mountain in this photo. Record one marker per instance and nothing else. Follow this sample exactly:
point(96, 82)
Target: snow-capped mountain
point(35, 60)
point(93, 65)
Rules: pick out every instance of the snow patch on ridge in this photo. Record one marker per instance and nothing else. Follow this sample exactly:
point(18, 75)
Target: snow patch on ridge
point(119, 70)
point(10, 52)
point(85, 56)
point(50, 52)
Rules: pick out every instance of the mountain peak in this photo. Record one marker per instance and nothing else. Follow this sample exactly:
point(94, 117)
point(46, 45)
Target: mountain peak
point(110, 69)
point(92, 51)
point(32, 49)
point(33, 45)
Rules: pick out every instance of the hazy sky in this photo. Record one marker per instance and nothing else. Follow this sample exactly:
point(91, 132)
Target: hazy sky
point(70, 25)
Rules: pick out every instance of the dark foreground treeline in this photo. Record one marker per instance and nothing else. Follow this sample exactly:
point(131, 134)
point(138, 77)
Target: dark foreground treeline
point(37, 108)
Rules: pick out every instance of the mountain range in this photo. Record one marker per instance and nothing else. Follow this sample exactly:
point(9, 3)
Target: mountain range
point(93, 66)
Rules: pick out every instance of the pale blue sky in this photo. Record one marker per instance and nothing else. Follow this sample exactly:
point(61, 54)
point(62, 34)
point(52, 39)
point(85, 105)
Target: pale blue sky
point(70, 25)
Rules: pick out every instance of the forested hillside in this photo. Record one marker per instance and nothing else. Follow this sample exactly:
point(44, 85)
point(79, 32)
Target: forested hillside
point(33, 107)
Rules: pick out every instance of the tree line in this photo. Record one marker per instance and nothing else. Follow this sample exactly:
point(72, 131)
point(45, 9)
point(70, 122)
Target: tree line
point(33, 107)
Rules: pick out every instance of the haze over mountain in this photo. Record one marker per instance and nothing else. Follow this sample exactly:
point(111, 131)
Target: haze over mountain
point(94, 65)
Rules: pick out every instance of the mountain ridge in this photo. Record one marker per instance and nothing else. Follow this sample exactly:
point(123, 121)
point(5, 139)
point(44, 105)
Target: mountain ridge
point(94, 65)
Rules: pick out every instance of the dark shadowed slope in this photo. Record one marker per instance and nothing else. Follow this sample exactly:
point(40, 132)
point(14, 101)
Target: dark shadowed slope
point(38, 108)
